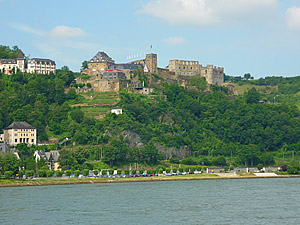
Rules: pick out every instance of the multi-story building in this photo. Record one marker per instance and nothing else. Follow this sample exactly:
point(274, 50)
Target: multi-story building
point(8, 65)
point(20, 132)
point(98, 64)
point(43, 66)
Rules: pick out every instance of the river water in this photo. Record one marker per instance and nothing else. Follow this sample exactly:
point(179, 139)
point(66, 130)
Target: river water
point(243, 201)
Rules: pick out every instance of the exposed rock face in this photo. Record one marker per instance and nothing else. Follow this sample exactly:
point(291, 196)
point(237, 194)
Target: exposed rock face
point(170, 152)
point(134, 139)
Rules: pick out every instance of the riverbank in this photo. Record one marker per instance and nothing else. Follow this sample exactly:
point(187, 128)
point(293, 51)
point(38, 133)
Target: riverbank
point(64, 181)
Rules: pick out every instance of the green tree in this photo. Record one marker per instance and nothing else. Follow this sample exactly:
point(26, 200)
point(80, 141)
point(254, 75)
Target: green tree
point(85, 172)
point(77, 173)
point(58, 173)
point(68, 172)
point(84, 65)
point(66, 159)
point(252, 96)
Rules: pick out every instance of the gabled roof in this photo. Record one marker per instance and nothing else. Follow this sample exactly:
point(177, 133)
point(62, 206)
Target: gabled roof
point(102, 57)
point(19, 125)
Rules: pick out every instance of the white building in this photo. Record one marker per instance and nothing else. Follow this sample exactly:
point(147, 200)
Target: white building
point(43, 66)
point(7, 65)
point(116, 110)
point(20, 132)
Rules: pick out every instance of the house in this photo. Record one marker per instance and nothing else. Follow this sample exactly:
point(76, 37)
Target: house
point(7, 65)
point(20, 132)
point(43, 66)
point(116, 110)
point(51, 158)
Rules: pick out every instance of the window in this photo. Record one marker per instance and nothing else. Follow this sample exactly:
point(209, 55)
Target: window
point(16, 140)
point(32, 140)
point(16, 134)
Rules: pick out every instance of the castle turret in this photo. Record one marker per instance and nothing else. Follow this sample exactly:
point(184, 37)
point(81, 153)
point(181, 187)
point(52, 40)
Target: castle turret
point(151, 63)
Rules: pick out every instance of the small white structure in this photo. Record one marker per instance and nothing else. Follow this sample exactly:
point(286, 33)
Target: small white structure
point(116, 110)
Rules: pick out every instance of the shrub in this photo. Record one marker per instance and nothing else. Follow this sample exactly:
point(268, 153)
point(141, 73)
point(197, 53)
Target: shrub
point(161, 170)
point(293, 169)
point(68, 173)
point(226, 169)
point(199, 168)
point(29, 173)
point(96, 172)
point(149, 171)
point(161, 167)
point(58, 173)
point(77, 173)
point(192, 169)
point(21, 173)
point(174, 170)
point(126, 171)
point(89, 85)
point(42, 173)
point(154, 171)
point(119, 171)
point(141, 171)
point(133, 171)
point(189, 161)
point(180, 169)
point(260, 166)
point(111, 171)
point(49, 173)
point(8, 174)
point(187, 169)
point(85, 172)
point(174, 160)
point(104, 172)
point(168, 170)
point(231, 167)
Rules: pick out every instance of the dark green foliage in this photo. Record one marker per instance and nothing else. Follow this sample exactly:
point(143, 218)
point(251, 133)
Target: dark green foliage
point(58, 173)
point(10, 162)
point(119, 171)
point(259, 166)
point(85, 172)
point(180, 169)
point(49, 173)
point(111, 171)
point(29, 173)
point(133, 171)
point(77, 173)
point(126, 171)
point(168, 170)
point(141, 171)
point(21, 173)
point(42, 173)
point(174, 169)
point(8, 53)
point(68, 172)
point(96, 172)
point(8, 174)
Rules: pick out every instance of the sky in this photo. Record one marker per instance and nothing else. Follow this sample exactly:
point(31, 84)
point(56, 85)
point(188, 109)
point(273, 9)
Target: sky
point(260, 37)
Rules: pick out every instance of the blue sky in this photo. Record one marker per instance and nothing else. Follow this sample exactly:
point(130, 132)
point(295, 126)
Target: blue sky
point(261, 37)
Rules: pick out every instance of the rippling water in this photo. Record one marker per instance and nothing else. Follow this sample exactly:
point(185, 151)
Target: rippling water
point(251, 201)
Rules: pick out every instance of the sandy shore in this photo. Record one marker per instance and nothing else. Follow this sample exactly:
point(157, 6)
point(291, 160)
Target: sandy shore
point(57, 181)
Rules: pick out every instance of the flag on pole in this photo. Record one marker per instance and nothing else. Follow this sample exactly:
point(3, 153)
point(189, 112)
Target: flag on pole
point(151, 47)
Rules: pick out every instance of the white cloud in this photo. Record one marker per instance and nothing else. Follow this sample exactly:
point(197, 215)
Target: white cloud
point(203, 13)
point(293, 18)
point(172, 41)
point(66, 32)
point(29, 29)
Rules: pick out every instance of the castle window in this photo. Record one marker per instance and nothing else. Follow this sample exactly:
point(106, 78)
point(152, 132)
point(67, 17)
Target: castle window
point(16, 140)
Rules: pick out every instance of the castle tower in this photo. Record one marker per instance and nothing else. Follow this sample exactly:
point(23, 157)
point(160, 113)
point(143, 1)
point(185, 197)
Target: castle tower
point(151, 63)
